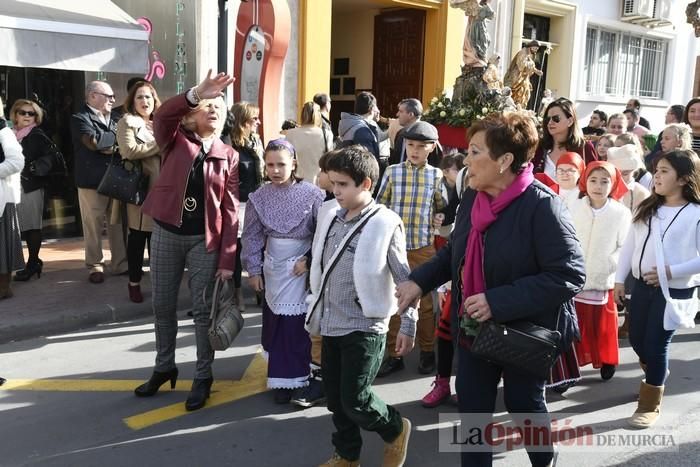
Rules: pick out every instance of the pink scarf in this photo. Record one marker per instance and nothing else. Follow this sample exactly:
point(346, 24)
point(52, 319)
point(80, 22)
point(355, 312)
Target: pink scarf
point(20, 134)
point(484, 213)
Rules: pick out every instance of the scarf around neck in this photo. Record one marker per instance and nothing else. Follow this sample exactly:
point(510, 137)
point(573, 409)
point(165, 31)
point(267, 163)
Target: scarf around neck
point(484, 213)
point(20, 134)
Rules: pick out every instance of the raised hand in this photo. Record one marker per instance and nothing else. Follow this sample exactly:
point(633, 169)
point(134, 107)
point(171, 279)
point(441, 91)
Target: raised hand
point(212, 87)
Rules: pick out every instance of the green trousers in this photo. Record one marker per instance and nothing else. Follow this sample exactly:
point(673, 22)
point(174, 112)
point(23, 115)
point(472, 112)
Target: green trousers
point(350, 363)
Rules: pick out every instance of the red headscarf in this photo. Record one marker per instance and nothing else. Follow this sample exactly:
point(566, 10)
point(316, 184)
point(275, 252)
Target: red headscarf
point(619, 188)
point(574, 159)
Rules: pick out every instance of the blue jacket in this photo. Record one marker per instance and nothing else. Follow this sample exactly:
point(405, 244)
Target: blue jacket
point(90, 136)
point(533, 262)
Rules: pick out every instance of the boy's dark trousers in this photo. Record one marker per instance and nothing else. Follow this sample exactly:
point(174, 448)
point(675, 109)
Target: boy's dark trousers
point(350, 364)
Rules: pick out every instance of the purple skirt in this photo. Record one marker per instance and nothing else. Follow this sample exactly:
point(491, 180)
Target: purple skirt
point(565, 370)
point(288, 348)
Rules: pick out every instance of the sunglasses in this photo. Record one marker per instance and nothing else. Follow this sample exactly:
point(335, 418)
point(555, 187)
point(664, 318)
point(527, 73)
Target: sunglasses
point(108, 96)
point(555, 118)
point(26, 113)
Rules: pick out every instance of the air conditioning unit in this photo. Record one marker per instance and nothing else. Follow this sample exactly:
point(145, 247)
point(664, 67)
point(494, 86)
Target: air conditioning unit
point(662, 13)
point(637, 10)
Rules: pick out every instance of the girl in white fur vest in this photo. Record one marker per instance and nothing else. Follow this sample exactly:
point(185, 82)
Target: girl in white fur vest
point(601, 224)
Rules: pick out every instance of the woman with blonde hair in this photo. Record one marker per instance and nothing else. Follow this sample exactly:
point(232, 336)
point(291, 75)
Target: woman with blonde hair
point(138, 144)
point(11, 164)
point(194, 204)
point(245, 140)
point(38, 150)
point(311, 141)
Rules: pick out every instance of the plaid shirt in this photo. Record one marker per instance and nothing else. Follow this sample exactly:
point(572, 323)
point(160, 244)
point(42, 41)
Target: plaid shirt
point(413, 192)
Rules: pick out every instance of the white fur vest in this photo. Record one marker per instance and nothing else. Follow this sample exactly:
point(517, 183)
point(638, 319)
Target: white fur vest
point(601, 236)
point(374, 283)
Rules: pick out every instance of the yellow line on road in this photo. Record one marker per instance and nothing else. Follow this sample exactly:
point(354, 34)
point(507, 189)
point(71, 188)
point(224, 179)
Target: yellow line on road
point(253, 382)
point(75, 385)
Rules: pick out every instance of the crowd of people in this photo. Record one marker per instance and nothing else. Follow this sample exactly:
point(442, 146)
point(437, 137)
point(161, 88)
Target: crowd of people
point(359, 244)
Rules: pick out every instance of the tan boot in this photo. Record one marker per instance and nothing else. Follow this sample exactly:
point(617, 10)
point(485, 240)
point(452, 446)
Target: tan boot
point(337, 461)
point(648, 407)
point(5, 290)
point(395, 452)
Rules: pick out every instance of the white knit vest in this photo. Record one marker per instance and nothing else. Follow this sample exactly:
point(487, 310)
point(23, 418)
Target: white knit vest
point(374, 283)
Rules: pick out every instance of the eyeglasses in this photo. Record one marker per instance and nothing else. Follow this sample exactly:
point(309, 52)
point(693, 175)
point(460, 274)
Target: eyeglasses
point(26, 113)
point(566, 171)
point(555, 118)
point(108, 96)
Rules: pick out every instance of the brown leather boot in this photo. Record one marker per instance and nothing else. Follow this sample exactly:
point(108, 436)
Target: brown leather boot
point(5, 290)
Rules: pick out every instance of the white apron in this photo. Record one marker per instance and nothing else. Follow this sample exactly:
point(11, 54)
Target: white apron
point(285, 293)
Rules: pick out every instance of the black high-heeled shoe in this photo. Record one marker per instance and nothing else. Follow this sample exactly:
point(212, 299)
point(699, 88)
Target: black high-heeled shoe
point(201, 388)
point(32, 267)
point(150, 387)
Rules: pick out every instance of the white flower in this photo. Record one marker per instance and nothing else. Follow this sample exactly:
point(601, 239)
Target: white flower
point(484, 111)
point(433, 100)
point(440, 105)
point(462, 112)
point(443, 114)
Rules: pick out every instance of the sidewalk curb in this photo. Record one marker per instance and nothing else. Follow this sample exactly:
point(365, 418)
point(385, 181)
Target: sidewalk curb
point(63, 323)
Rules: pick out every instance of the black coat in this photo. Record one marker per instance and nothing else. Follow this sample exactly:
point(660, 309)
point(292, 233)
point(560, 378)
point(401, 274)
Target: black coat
point(35, 145)
point(90, 162)
point(533, 262)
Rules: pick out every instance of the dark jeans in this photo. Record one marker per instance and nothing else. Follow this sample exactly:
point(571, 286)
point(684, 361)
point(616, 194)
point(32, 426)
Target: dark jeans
point(647, 335)
point(477, 383)
point(135, 246)
point(350, 364)
point(239, 266)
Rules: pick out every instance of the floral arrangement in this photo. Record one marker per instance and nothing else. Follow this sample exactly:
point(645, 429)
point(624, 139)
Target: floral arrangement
point(456, 113)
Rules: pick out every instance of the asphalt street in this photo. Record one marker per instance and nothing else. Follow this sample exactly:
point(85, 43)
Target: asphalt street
point(68, 401)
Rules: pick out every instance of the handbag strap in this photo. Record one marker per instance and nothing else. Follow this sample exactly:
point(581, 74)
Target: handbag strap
point(660, 262)
point(214, 300)
point(346, 241)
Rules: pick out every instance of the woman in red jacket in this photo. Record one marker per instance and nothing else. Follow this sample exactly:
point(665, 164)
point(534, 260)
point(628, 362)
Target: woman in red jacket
point(195, 207)
point(561, 133)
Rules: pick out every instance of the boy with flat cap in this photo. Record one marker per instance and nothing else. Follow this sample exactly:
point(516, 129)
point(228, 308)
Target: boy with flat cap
point(412, 190)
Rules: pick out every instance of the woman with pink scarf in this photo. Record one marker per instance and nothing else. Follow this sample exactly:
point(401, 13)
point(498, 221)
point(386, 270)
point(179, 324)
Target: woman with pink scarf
point(515, 256)
point(38, 150)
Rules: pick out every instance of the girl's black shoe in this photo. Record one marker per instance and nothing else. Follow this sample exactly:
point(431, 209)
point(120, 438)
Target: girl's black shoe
point(32, 267)
point(151, 386)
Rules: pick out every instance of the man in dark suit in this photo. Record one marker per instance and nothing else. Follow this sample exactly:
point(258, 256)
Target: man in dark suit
point(94, 136)
point(409, 112)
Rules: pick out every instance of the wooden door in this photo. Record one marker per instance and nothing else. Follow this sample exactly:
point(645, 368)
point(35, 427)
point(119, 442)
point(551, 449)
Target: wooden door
point(399, 37)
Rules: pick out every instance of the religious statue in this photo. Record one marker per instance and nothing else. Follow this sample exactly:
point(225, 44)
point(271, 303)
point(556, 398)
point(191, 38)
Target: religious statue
point(491, 75)
point(692, 16)
point(518, 75)
point(476, 37)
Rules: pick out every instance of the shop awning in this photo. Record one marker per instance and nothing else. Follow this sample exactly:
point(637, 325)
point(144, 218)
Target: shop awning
point(88, 35)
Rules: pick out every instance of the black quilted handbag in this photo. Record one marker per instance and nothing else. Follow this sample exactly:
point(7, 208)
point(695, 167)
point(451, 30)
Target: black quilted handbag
point(518, 344)
point(125, 181)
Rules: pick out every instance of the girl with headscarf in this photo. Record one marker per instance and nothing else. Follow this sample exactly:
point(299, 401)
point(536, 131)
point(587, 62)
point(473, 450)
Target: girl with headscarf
point(601, 223)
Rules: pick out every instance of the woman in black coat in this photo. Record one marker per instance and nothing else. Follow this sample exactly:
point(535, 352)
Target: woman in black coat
point(523, 262)
point(38, 150)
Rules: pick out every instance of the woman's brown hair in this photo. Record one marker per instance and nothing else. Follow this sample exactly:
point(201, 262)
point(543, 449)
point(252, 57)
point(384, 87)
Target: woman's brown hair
point(129, 101)
point(687, 166)
point(512, 132)
point(311, 114)
point(242, 113)
point(574, 139)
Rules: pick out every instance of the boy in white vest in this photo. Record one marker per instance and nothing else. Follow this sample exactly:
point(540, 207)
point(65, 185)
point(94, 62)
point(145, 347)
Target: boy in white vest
point(358, 255)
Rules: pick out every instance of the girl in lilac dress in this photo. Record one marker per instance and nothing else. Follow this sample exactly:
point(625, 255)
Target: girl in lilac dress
point(280, 221)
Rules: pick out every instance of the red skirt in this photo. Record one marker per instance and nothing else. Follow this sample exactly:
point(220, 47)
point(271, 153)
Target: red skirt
point(443, 330)
point(598, 326)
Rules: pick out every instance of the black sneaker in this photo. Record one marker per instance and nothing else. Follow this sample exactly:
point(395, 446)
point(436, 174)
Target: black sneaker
point(427, 363)
point(310, 395)
point(283, 396)
point(607, 372)
point(390, 365)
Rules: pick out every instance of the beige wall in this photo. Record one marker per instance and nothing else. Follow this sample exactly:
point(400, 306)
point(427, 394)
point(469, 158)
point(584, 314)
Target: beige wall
point(352, 36)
